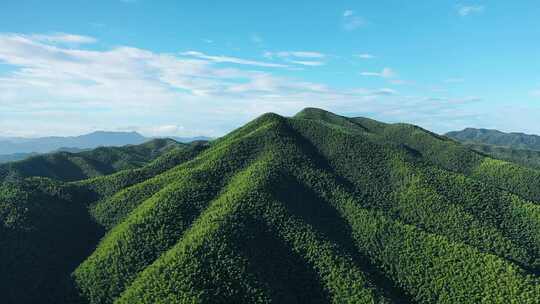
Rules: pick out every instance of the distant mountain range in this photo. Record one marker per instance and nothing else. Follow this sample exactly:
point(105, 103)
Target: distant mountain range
point(72, 165)
point(17, 148)
point(520, 148)
point(497, 138)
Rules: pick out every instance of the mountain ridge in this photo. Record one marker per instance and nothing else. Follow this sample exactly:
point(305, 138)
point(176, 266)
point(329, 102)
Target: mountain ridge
point(515, 140)
point(314, 208)
point(11, 146)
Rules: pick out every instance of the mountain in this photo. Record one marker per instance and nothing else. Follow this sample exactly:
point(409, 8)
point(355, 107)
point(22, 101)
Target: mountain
point(6, 158)
point(526, 158)
point(88, 141)
point(191, 139)
point(315, 208)
point(68, 166)
point(497, 138)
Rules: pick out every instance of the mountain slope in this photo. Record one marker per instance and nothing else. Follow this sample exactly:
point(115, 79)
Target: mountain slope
point(497, 138)
point(68, 166)
point(526, 158)
point(317, 208)
point(47, 229)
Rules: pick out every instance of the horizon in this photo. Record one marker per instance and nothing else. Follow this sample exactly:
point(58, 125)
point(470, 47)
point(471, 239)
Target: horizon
point(211, 138)
point(179, 69)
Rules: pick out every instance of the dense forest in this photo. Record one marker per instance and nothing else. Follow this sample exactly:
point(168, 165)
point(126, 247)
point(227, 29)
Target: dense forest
point(526, 158)
point(69, 166)
point(315, 208)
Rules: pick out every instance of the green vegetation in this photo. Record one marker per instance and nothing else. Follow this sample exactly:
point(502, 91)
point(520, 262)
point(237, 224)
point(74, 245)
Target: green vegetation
point(66, 166)
point(518, 148)
point(526, 158)
point(317, 208)
point(497, 138)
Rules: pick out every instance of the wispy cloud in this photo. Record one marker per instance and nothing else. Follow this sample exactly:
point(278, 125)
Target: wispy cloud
point(351, 21)
point(52, 88)
point(385, 73)
point(298, 57)
point(298, 54)
point(227, 59)
point(365, 56)
point(535, 93)
point(63, 38)
point(384, 92)
point(466, 10)
point(307, 63)
point(48, 78)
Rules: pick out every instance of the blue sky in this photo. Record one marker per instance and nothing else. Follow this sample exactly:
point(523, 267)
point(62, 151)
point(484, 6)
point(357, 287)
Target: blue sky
point(206, 67)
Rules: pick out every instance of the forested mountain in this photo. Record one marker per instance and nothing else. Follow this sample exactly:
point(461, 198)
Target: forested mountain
point(497, 138)
point(317, 208)
point(527, 158)
point(67, 166)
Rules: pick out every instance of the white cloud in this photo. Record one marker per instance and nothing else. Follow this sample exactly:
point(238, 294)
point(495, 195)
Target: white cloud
point(52, 88)
point(365, 56)
point(164, 130)
point(63, 38)
point(535, 93)
point(116, 87)
point(226, 59)
point(386, 91)
point(297, 57)
point(307, 63)
point(300, 54)
point(385, 73)
point(350, 21)
point(466, 10)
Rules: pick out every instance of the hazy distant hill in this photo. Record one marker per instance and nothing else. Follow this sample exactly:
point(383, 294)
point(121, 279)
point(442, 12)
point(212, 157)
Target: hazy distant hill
point(315, 208)
point(4, 158)
point(87, 141)
point(498, 138)
point(70, 166)
point(191, 139)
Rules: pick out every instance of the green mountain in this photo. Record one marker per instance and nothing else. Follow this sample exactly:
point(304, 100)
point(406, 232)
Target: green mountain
point(526, 158)
point(317, 208)
point(497, 138)
point(67, 166)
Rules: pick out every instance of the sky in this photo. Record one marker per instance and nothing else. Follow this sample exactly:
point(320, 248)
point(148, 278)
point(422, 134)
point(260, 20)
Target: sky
point(190, 68)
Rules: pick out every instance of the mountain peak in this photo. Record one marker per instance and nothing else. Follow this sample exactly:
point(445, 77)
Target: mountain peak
point(318, 208)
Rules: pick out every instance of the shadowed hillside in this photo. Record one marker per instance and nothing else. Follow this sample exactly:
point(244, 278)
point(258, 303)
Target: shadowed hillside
point(317, 208)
